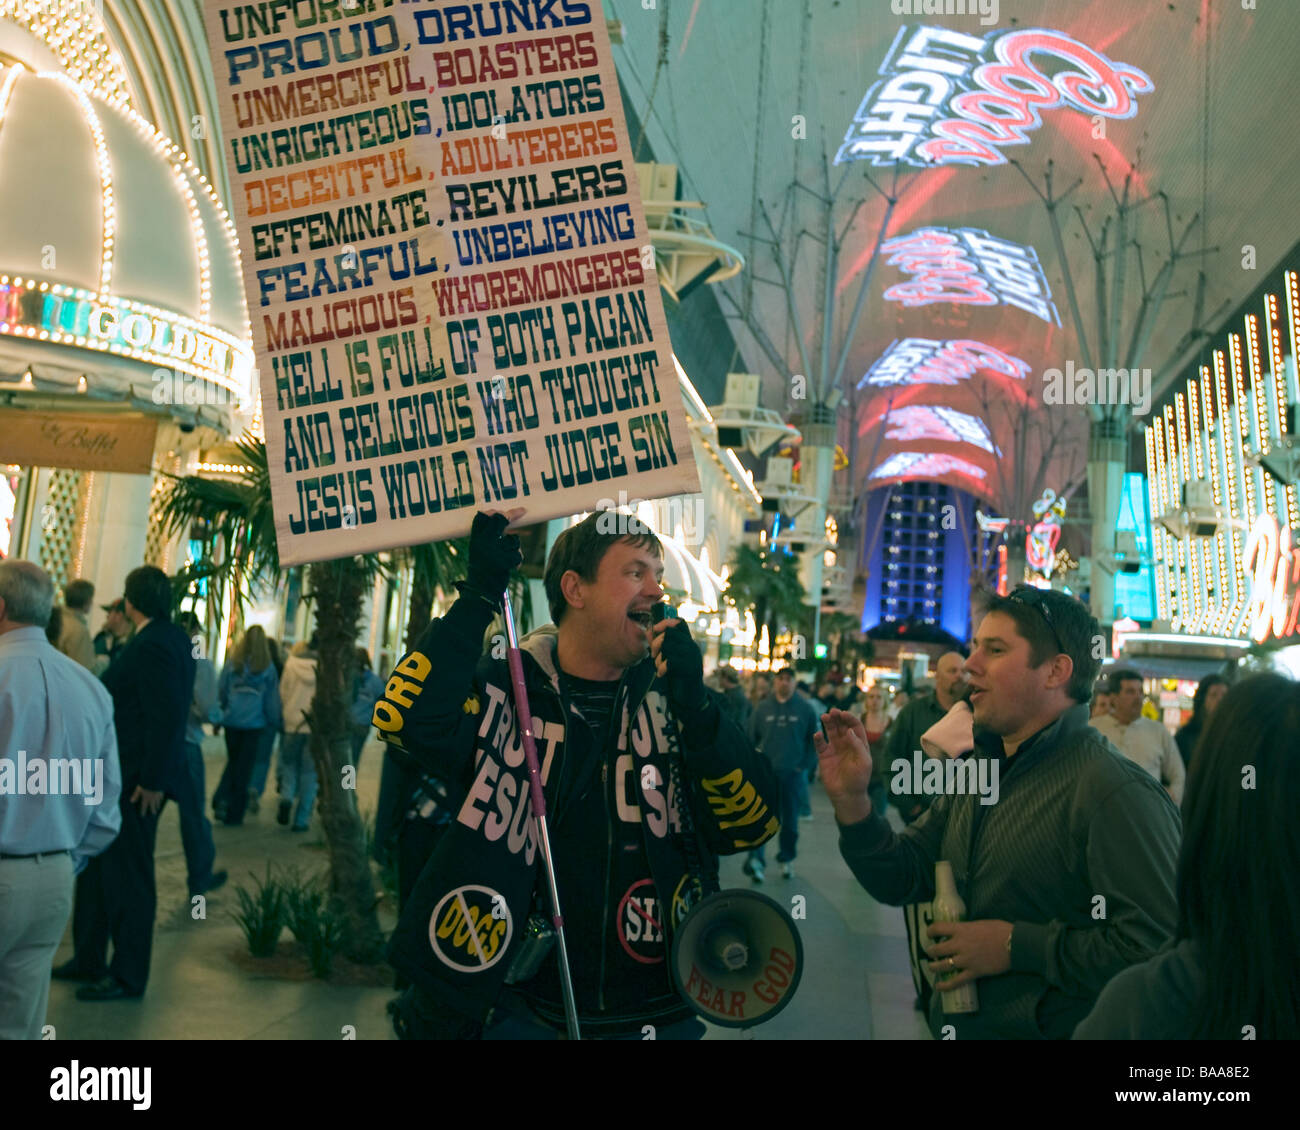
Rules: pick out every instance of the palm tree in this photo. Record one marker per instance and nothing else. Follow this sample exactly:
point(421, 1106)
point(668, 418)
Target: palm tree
point(768, 583)
point(234, 521)
point(338, 588)
point(839, 628)
point(438, 565)
point(236, 525)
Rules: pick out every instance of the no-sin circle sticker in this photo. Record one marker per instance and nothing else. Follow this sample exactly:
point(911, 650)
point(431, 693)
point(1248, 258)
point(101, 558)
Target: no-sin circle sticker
point(640, 923)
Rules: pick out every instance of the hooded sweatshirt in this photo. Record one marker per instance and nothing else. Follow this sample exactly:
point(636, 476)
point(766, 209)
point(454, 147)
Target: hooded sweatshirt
point(613, 814)
point(249, 699)
point(297, 689)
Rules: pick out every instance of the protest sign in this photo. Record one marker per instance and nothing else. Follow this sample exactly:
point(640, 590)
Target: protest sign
point(452, 292)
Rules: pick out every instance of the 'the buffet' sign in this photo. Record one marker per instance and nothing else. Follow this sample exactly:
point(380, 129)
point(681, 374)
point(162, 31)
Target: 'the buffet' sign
point(946, 98)
point(82, 441)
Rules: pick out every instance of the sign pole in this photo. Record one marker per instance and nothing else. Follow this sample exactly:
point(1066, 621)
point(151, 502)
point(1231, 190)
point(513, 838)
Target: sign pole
point(514, 657)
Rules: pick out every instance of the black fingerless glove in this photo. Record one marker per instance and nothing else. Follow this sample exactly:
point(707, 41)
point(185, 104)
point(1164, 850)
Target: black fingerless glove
point(685, 671)
point(492, 556)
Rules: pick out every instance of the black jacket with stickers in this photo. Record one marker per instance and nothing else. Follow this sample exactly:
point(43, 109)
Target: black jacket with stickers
point(449, 708)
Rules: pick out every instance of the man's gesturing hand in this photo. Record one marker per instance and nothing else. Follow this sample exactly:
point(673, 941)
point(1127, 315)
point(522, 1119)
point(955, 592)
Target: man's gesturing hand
point(677, 656)
point(845, 762)
point(970, 949)
point(147, 800)
point(492, 553)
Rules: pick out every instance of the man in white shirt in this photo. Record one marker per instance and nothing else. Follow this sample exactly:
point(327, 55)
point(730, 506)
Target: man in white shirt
point(1140, 739)
point(60, 780)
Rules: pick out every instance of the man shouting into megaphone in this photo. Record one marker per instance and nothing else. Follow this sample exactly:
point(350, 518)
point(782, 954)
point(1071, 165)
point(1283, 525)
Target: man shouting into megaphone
point(646, 781)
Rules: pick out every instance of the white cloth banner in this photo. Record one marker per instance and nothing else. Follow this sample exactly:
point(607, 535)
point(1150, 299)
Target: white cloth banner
point(452, 292)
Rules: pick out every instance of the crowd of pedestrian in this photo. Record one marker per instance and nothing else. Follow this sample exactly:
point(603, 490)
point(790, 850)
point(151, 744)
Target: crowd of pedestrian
point(1088, 803)
point(1167, 996)
point(105, 729)
point(1083, 821)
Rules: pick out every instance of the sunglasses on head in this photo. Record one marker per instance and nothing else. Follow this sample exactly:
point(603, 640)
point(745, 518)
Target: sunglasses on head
point(1033, 597)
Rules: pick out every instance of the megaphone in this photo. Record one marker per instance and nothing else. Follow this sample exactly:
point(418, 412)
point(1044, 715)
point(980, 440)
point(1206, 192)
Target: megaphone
point(737, 958)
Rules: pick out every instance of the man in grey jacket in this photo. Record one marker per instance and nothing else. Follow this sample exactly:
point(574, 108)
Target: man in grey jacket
point(1068, 878)
point(782, 728)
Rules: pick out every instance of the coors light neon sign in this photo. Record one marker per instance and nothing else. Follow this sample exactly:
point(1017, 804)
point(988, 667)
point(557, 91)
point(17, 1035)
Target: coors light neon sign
point(945, 98)
point(935, 422)
point(967, 266)
point(926, 465)
point(922, 360)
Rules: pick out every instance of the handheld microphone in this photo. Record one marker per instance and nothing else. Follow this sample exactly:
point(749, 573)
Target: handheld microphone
point(662, 612)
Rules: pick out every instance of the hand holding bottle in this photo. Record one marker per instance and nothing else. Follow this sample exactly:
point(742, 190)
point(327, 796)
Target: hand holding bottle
point(968, 950)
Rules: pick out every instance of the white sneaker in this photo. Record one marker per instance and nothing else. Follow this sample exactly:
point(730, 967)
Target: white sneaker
point(757, 872)
point(787, 871)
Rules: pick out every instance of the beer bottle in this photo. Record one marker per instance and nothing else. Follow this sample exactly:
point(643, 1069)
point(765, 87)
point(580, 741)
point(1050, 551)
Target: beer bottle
point(948, 907)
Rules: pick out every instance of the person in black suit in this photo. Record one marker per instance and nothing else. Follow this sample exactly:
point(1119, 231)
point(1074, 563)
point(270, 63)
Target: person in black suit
point(151, 683)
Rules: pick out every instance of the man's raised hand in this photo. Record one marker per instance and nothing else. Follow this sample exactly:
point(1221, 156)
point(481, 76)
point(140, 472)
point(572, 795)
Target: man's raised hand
point(845, 760)
point(492, 552)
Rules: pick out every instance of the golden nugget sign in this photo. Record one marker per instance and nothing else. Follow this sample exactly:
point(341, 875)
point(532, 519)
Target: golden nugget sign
point(72, 316)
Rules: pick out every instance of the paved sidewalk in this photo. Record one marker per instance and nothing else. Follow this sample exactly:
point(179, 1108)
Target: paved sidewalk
point(856, 983)
point(199, 987)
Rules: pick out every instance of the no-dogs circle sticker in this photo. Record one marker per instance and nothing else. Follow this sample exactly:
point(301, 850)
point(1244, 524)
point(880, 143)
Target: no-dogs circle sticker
point(470, 928)
point(640, 923)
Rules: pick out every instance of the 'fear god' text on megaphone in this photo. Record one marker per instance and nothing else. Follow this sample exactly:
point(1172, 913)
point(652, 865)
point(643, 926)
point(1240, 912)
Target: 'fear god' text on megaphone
point(737, 958)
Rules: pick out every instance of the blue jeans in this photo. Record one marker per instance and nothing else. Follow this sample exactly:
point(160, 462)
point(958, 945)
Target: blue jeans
point(263, 764)
point(298, 775)
point(196, 830)
point(788, 790)
point(788, 785)
point(232, 791)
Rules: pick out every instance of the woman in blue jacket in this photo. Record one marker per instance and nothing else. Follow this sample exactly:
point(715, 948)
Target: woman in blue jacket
point(249, 694)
